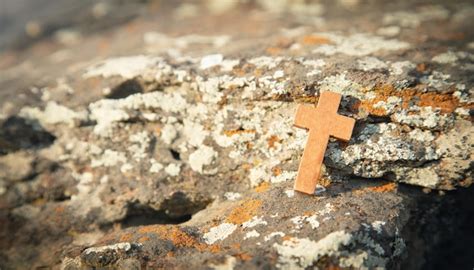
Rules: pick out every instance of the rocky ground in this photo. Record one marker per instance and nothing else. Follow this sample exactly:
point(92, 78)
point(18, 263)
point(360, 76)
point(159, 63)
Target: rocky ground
point(163, 137)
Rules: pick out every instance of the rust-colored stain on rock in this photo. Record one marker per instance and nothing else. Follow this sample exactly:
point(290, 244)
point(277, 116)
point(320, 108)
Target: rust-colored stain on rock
point(322, 122)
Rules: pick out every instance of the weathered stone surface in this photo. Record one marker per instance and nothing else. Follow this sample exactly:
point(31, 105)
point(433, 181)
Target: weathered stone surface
point(181, 153)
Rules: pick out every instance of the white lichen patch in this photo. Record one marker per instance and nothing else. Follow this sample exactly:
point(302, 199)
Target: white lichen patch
point(290, 193)
point(219, 233)
point(377, 226)
point(437, 80)
point(210, 88)
point(299, 221)
point(53, 113)
point(314, 64)
point(390, 105)
point(157, 42)
point(265, 61)
point(168, 133)
point(358, 44)
point(251, 234)
point(425, 177)
point(257, 175)
point(415, 18)
point(398, 68)
point(125, 246)
point(194, 133)
point(108, 159)
point(272, 235)
point(340, 84)
point(232, 196)
point(381, 144)
point(211, 60)
point(255, 221)
point(446, 58)
point(283, 177)
point(173, 169)
point(389, 31)
point(299, 253)
point(155, 167)
point(140, 144)
point(126, 167)
point(312, 221)
point(107, 112)
point(328, 208)
point(371, 63)
point(426, 117)
point(126, 67)
point(204, 155)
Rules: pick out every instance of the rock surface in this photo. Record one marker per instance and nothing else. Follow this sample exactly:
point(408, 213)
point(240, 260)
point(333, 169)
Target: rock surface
point(168, 141)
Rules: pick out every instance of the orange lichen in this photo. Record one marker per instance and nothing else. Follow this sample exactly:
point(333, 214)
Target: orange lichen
point(447, 103)
point(264, 186)
point(158, 131)
point(59, 209)
point(273, 50)
point(287, 238)
point(127, 237)
point(315, 40)
point(276, 171)
point(244, 212)
point(249, 145)
point(381, 189)
point(246, 166)
point(243, 256)
point(214, 248)
point(272, 141)
point(175, 235)
point(312, 100)
point(232, 132)
point(325, 182)
point(143, 239)
point(421, 67)
point(258, 72)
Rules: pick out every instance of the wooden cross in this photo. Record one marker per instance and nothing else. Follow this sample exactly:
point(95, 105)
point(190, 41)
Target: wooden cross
point(322, 122)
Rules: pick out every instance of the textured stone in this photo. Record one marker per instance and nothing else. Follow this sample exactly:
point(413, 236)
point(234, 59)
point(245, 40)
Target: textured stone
point(153, 144)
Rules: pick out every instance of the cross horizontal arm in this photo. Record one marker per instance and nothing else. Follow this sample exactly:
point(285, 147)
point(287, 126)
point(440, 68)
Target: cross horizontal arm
point(305, 116)
point(341, 127)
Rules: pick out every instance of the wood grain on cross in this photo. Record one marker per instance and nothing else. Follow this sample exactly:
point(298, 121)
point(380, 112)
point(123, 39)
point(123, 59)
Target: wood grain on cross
point(322, 121)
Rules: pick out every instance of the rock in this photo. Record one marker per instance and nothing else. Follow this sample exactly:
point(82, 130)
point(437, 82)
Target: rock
point(181, 152)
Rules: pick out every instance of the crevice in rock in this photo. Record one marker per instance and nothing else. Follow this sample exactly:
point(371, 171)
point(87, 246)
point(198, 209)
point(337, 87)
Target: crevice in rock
point(18, 133)
point(439, 234)
point(175, 154)
point(174, 210)
point(139, 214)
point(125, 89)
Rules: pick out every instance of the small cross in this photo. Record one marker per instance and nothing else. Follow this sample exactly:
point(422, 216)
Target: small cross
point(322, 122)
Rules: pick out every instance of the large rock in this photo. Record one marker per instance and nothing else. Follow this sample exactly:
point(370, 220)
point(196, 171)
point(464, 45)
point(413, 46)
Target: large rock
point(183, 153)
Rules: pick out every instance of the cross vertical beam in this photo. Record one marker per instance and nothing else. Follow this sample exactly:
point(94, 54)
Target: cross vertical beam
point(322, 122)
